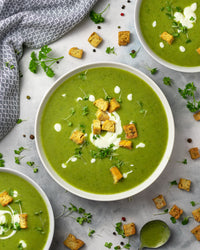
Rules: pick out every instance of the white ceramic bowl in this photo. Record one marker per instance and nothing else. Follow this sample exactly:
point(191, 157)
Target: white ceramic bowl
point(125, 194)
point(44, 197)
point(151, 52)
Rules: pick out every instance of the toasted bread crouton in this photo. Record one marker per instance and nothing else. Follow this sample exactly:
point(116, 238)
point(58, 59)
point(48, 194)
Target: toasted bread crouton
point(123, 38)
point(73, 243)
point(75, 52)
point(5, 198)
point(109, 126)
point(96, 127)
point(130, 130)
point(116, 174)
point(198, 51)
point(114, 105)
point(167, 37)
point(184, 184)
point(125, 144)
point(159, 201)
point(102, 115)
point(129, 229)
point(101, 104)
point(196, 214)
point(95, 39)
point(23, 221)
point(196, 232)
point(77, 137)
point(197, 116)
point(194, 153)
point(175, 212)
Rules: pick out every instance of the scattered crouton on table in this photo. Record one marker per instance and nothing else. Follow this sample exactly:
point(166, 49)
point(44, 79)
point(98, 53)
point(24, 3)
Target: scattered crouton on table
point(175, 212)
point(75, 52)
point(196, 214)
point(194, 153)
point(196, 232)
point(159, 201)
point(129, 229)
point(73, 243)
point(184, 184)
point(95, 39)
point(123, 38)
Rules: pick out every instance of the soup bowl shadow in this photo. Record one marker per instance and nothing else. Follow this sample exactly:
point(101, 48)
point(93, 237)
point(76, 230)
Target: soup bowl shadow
point(124, 194)
point(151, 52)
point(45, 199)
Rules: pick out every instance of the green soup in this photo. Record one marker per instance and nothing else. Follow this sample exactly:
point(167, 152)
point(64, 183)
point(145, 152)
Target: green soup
point(26, 200)
point(69, 109)
point(158, 16)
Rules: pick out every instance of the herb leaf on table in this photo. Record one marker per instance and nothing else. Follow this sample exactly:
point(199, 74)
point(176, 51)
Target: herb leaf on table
point(97, 17)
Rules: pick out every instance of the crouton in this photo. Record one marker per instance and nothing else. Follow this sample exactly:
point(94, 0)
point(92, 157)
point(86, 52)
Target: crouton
point(102, 115)
point(194, 153)
point(167, 37)
point(123, 38)
point(75, 52)
point(95, 39)
point(197, 115)
point(130, 130)
point(198, 51)
point(196, 232)
point(73, 243)
point(5, 198)
point(114, 105)
point(184, 184)
point(125, 144)
point(96, 127)
point(129, 229)
point(101, 104)
point(159, 201)
point(77, 137)
point(196, 214)
point(175, 212)
point(117, 176)
point(23, 221)
point(109, 126)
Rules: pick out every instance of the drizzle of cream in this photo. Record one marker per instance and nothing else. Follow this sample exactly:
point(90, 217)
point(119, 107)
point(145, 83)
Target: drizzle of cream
point(24, 245)
point(162, 45)
point(130, 97)
point(182, 49)
point(140, 145)
point(154, 24)
point(125, 175)
point(117, 89)
point(72, 159)
point(91, 98)
point(79, 99)
point(57, 127)
point(93, 160)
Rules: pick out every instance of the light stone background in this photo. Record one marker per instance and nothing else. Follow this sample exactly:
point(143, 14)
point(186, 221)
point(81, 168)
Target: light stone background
point(139, 208)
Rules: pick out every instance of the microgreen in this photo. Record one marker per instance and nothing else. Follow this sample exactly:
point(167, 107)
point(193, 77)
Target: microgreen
point(184, 161)
point(173, 220)
point(164, 212)
point(43, 60)
point(73, 208)
point(117, 247)
point(72, 112)
point(91, 232)
point(185, 220)
point(19, 121)
point(78, 152)
point(108, 98)
point(17, 226)
point(179, 9)
point(70, 124)
point(172, 183)
point(187, 92)
point(11, 192)
point(85, 110)
point(134, 53)
point(108, 244)
point(20, 247)
point(193, 203)
point(167, 81)
point(153, 70)
point(18, 158)
point(38, 212)
point(103, 152)
point(97, 17)
point(2, 161)
point(142, 110)
point(95, 137)
point(85, 218)
point(119, 163)
point(127, 246)
point(40, 230)
point(83, 75)
point(192, 18)
point(110, 50)
point(18, 152)
point(119, 230)
point(32, 165)
point(188, 41)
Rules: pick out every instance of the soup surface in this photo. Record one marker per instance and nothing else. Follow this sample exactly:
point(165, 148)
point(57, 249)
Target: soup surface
point(26, 201)
point(87, 166)
point(179, 18)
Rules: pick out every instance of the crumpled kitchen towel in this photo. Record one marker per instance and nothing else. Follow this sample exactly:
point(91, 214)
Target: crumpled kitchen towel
point(31, 23)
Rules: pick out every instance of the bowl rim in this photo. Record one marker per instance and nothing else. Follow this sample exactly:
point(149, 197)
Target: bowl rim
point(167, 64)
point(45, 199)
point(124, 194)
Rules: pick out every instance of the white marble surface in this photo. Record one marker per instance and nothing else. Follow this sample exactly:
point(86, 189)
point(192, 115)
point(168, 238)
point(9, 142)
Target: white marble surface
point(139, 208)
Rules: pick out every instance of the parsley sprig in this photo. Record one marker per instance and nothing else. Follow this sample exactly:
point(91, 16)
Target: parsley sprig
point(97, 17)
point(110, 50)
point(189, 92)
point(43, 60)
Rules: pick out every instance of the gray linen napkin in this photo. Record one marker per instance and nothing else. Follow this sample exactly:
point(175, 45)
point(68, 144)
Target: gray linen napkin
point(31, 23)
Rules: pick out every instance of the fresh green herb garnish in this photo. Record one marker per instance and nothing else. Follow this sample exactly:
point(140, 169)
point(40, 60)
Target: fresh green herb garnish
point(32, 165)
point(192, 18)
point(70, 124)
point(193, 203)
point(179, 9)
point(173, 220)
point(153, 70)
point(38, 213)
point(17, 159)
point(43, 60)
point(185, 220)
point(133, 53)
point(172, 183)
point(142, 110)
point(110, 50)
point(167, 81)
point(40, 229)
point(86, 98)
point(1, 160)
point(20, 247)
point(108, 98)
point(95, 137)
point(18, 152)
point(119, 163)
point(73, 111)
point(117, 247)
point(85, 218)
point(85, 110)
point(73, 208)
point(83, 75)
point(184, 161)
point(102, 153)
point(19, 121)
point(108, 245)
point(78, 152)
point(97, 17)
point(187, 92)
point(188, 41)
point(119, 230)
point(11, 192)
point(91, 233)
point(127, 246)
point(17, 226)
point(164, 212)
